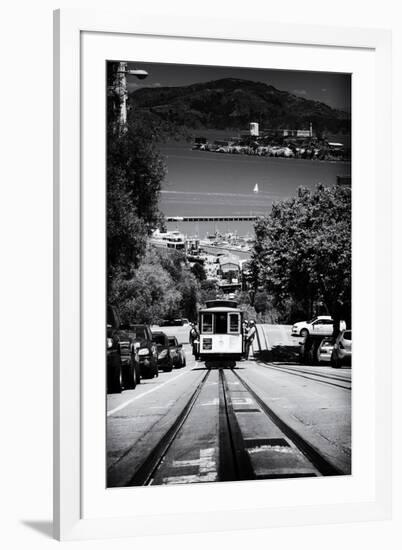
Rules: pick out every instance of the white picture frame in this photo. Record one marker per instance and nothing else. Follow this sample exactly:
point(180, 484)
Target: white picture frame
point(82, 507)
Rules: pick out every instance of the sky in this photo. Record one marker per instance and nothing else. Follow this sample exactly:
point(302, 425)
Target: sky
point(334, 89)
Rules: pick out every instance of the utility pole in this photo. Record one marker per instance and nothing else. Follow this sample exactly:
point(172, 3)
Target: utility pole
point(117, 92)
point(122, 92)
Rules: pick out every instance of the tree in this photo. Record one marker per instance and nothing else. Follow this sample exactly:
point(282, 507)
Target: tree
point(261, 302)
point(173, 261)
point(146, 285)
point(135, 171)
point(199, 272)
point(209, 290)
point(126, 231)
point(189, 291)
point(163, 287)
point(302, 252)
point(147, 297)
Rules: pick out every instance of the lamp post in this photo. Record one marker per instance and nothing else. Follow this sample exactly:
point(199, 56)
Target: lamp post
point(119, 90)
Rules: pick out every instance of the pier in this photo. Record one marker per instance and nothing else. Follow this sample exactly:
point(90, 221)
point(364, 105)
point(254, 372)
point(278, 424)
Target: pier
point(211, 218)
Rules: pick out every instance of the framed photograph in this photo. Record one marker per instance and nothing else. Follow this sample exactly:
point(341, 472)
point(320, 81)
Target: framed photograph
point(222, 227)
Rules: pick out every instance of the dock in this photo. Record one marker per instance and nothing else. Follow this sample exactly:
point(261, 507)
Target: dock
point(211, 218)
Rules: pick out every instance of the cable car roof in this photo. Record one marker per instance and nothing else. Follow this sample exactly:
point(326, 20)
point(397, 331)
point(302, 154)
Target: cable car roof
point(220, 310)
point(221, 303)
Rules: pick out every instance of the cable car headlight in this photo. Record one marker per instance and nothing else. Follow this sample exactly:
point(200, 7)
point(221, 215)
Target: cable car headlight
point(143, 351)
point(207, 343)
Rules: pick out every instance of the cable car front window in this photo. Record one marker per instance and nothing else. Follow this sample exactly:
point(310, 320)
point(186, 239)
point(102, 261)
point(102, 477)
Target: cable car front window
point(234, 323)
point(207, 323)
point(221, 325)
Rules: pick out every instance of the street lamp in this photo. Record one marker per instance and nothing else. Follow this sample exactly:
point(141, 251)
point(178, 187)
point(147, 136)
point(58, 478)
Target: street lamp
point(139, 73)
point(122, 92)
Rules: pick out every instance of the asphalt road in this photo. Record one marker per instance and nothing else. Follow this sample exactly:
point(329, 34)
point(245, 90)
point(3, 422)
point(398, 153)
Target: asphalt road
point(260, 420)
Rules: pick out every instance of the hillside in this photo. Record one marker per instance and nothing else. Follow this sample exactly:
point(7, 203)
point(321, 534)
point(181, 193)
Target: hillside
point(232, 104)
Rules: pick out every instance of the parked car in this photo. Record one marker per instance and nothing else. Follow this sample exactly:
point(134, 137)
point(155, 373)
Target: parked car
point(262, 150)
point(287, 152)
point(164, 358)
point(177, 352)
point(113, 362)
point(342, 352)
point(122, 371)
point(275, 151)
point(171, 323)
point(129, 364)
point(144, 349)
point(325, 349)
point(322, 325)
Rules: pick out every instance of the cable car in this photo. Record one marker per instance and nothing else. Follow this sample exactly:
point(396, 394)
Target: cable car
point(221, 331)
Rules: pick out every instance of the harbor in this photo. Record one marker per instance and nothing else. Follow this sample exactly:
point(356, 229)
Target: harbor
point(208, 193)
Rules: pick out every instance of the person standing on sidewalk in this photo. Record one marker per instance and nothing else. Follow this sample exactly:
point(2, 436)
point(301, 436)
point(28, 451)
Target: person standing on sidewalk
point(244, 330)
point(194, 339)
point(250, 337)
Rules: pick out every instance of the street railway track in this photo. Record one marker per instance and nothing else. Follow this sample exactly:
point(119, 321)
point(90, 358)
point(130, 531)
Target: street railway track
point(146, 472)
point(234, 460)
point(313, 370)
point(323, 378)
point(316, 459)
point(235, 449)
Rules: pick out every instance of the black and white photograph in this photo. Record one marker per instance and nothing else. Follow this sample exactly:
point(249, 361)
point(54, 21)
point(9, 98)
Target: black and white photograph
point(229, 274)
point(201, 204)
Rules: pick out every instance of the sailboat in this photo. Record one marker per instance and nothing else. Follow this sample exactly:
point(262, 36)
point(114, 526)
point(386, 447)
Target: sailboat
point(256, 190)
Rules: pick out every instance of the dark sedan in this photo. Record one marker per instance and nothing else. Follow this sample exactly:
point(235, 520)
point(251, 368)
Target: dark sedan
point(176, 352)
point(145, 350)
point(129, 363)
point(164, 358)
point(113, 361)
point(122, 368)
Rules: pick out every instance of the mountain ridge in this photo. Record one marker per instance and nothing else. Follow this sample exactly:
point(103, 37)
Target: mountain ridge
point(231, 103)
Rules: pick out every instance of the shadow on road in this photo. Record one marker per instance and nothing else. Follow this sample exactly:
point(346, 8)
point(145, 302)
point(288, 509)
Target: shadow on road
point(287, 354)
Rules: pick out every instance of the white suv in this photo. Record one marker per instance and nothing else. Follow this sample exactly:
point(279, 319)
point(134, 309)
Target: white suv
point(322, 325)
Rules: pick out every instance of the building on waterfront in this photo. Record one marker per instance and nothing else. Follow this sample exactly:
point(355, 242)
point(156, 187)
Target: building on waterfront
point(169, 239)
point(254, 129)
point(298, 133)
point(229, 267)
point(335, 146)
point(211, 267)
point(344, 180)
point(229, 274)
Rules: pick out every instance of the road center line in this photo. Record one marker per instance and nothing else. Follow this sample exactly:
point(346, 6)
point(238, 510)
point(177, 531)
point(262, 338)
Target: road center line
point(126, 403)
